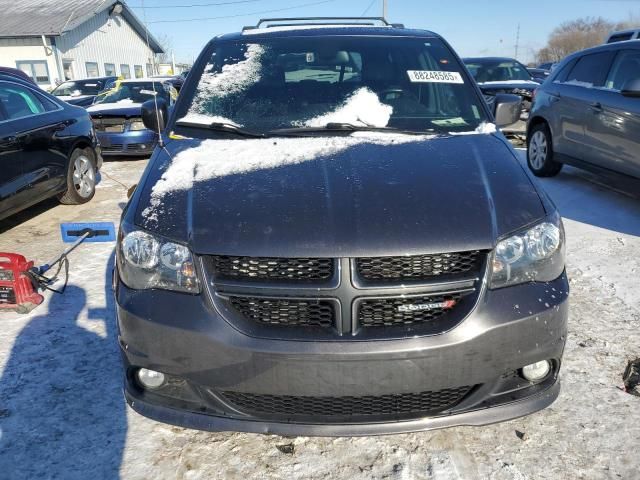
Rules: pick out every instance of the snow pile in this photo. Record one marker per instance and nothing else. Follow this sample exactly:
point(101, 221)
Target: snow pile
point(202, 119)
point(485, 128)
point(233, 78)
point(362, 107)
point(219, 158)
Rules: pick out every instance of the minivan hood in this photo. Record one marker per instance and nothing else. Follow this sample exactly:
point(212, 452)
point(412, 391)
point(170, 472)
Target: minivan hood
point(442, 194)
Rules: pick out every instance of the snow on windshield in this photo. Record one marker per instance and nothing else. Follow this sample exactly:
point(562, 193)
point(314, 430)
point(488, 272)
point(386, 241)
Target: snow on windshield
point(363, 107)
point(234, 78)
point(218, 158)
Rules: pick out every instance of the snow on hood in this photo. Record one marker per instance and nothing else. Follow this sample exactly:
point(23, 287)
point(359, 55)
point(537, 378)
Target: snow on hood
point(101, 107)
point(363, 107)
point(233, 78)
point(219, 158)
point(508, 82)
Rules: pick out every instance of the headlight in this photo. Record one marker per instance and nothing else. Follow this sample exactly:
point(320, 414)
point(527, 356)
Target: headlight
point(147, 261)
point(535, 255)
point(137, 125)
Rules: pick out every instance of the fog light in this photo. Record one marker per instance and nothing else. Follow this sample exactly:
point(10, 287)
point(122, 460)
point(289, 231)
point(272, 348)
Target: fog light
point(143, 146)
point(536, 371)
point(150, 378)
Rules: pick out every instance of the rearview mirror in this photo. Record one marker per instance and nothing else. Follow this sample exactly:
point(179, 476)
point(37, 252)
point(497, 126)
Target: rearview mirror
point(507, 109)
point(631, 88)
point(154, 114)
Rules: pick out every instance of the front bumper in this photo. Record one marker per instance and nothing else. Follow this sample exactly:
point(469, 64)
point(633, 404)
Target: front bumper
point(129, 143)
point(184, 337)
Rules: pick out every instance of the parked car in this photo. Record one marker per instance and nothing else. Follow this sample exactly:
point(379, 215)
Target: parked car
point(176, 81)
point(117, 117)
point(538, 74)
point(82, 92)
point(17, 73)
point(547, 66)
point(336, 240)
point(588, 113)
point(624, 35)
point(47, 148)
point(504, 75)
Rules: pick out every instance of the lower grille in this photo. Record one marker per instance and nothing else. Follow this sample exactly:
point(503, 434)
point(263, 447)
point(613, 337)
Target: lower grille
point(286, 312)
point(393, 312)
point(114, 147)
point(400, 404)
point(417, 267)
point(137, 146)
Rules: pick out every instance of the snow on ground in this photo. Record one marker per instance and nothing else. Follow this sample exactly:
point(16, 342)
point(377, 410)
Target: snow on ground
point(62, 414)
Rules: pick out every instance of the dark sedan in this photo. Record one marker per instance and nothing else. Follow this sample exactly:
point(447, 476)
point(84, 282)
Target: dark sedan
point(496, 75)
point(47, 148)
point(82, 92)
point(117, 119)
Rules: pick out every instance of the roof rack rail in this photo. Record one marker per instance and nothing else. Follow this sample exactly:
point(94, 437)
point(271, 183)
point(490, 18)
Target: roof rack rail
point(302, 21)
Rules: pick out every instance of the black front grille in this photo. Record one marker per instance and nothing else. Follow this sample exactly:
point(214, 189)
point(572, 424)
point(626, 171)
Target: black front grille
point(273, 269)
point(384, 405)
point(394, 312)
point(286, 312)
point(417, 267)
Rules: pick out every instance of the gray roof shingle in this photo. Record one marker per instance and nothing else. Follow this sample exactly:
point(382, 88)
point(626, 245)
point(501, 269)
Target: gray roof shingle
point(24, 18)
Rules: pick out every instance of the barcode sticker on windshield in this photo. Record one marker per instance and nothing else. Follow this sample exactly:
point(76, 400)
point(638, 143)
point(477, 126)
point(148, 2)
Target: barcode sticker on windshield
point(428, 76)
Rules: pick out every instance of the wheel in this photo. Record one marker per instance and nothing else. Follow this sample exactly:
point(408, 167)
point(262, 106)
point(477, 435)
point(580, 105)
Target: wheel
point(81, 178)
point(540, 152)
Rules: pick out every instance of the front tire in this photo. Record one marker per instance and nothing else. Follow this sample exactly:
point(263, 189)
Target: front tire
point(81, 178)
point(540, 152)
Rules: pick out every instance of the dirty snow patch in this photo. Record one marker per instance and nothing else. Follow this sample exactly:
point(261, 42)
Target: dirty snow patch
point(363, 107)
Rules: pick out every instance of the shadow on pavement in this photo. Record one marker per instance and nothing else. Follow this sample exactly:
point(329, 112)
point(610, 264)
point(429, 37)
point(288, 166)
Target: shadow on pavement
point(62, 414)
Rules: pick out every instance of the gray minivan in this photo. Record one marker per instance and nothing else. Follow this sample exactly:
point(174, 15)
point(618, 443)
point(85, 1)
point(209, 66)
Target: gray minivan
point(588, 113)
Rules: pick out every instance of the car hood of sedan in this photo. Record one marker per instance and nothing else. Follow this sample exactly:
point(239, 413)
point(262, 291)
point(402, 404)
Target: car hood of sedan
point(328, 196)
point(115, 109)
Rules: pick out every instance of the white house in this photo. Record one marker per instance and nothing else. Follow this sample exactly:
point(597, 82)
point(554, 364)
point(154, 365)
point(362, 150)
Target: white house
point(57, 40)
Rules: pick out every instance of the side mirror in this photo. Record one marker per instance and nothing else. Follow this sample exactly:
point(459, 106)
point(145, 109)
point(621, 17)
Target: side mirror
point(631, 88)
point(507, 109)
point(155, 119)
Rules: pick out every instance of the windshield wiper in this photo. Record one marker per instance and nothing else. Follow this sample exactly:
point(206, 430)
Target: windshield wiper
point(340, 127)
point(222, 127)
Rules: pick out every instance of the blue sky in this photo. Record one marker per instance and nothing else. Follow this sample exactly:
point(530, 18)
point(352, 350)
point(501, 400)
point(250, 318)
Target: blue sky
point(472, 27)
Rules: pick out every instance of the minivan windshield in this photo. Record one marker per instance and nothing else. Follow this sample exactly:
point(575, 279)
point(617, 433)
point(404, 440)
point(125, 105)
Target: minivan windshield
point(78, 88)
point(488, 70)
point(302, 83)
point(135, 92)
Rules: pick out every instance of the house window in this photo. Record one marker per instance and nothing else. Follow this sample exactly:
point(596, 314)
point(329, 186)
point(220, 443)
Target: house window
point(109, 70)
point(92, 69)
point(36, 69)
point(138, 71)
point(149, 70)
point(125, 71)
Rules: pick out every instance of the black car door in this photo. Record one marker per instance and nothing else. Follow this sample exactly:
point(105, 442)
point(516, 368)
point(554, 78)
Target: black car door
point(35, 166)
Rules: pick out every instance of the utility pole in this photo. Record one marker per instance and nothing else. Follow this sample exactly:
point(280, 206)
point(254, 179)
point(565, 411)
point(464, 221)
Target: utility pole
point(517, 41)
point(384, 9)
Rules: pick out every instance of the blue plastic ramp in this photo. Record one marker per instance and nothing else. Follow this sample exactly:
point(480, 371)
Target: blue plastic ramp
point(98, 232)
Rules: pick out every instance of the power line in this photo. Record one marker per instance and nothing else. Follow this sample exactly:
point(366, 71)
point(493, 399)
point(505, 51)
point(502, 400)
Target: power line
point(368, 8)
point(235, 2)
point(244, 14)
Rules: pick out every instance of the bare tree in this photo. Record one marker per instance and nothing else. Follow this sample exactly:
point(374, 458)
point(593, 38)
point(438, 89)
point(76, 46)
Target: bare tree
point(576, 35)
point(167, 45)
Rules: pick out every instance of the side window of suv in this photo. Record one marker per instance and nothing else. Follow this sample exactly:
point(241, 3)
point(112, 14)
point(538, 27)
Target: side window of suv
point(626, 67)
point(17, 102)
point(590, 70)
